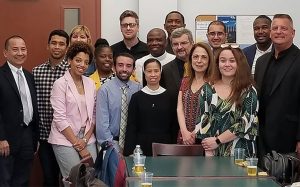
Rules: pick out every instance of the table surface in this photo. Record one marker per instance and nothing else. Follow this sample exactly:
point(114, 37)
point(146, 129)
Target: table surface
point(190, 166)
point(206, 182)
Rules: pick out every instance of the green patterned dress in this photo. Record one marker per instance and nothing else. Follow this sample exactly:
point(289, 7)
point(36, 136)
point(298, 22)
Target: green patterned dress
point(220, 115)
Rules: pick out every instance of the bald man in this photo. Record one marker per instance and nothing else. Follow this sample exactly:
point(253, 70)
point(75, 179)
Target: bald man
point(157, 43)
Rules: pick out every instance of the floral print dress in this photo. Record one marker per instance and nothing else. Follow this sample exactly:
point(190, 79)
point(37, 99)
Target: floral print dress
point(220, 115)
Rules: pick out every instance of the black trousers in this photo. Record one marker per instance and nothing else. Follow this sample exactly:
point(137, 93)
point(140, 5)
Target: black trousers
point(49, 164)
point(15, 169)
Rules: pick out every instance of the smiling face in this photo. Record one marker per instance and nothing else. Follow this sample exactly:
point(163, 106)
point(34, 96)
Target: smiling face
point(79, 64)
point(152, 73)
point(227, 64)
point(124, 67)
point(282, 33)
point(104, 60)
point(173, 21)
point(79, 36)
point(182, 47)
point(216, 36)
point(57, 47)
point(200, 60)
point(129, 28)
point(262, 29)
point(16, 52)
point(157, 42)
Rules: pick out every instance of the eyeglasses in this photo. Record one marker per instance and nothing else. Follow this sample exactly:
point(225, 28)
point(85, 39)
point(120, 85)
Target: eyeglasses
point(180, 44)
point(232, 45)
point(125, 25)
point(213, 34)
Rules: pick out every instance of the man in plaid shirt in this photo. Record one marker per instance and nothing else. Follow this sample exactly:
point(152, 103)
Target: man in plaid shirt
point(44, 76)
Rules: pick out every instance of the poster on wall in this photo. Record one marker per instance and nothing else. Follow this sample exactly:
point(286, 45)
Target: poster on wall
point(239, 28)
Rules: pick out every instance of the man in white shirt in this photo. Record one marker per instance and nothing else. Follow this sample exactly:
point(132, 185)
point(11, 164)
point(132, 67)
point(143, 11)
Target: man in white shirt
point(157, 43)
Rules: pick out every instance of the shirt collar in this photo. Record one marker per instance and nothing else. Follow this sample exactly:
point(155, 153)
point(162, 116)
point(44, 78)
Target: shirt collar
point(147, 90)
point(13, 68)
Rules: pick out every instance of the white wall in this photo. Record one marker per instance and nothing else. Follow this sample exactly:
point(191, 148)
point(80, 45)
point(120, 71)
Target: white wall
point(152, 12)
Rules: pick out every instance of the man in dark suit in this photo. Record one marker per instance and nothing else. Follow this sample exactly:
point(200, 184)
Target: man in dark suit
point(263, 45)
point(18, 116)
point(278, 81)
point(174, 71)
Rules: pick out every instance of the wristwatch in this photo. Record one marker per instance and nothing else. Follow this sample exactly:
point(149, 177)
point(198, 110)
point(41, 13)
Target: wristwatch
point(85, 140)
point(218, 141)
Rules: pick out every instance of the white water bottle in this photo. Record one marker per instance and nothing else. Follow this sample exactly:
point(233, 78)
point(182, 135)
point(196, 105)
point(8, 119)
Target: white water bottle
point(137, 151)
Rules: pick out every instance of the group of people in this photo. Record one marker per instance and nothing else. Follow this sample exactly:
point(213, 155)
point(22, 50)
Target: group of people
point(167, 90)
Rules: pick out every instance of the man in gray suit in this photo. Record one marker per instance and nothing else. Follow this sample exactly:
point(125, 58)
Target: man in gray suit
point(278, 82)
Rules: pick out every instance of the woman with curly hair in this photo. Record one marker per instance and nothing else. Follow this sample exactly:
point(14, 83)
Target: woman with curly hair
point(73, 99)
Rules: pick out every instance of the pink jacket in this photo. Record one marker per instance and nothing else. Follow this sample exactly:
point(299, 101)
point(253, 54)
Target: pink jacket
point(67, 109)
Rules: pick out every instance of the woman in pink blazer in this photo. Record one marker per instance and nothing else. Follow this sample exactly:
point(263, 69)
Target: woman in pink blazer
point(73, 101)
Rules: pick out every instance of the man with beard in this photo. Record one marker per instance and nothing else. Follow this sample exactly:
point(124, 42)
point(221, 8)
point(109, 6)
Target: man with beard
point(157, 42)
point(44, 76)
point(109, 104)
point(173, 20)
point(261, 29)
point(174, 71)
point(129, 24)
point(216, 35)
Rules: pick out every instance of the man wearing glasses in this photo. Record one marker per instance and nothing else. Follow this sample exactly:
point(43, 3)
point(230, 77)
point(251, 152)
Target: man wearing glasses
point(174, 71)
point(216, 34)
point(129, 23)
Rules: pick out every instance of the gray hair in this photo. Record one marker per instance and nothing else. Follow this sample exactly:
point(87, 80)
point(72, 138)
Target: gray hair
point(181, 31)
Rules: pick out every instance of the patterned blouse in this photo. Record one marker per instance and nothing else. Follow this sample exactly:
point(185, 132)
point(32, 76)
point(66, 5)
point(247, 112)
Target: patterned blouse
point(220, 115)
point(191, 107)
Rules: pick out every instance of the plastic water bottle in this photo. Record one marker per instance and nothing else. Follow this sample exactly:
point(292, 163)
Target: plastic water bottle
point(137, 151)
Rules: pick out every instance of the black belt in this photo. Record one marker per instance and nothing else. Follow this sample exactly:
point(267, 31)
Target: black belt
point(116, 138)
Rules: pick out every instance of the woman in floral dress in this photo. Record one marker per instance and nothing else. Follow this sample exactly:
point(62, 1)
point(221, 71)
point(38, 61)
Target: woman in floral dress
point(230, 104)
point(201, 66)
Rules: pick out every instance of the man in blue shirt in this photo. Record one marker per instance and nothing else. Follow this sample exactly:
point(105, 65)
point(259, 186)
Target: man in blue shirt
point(108, 107)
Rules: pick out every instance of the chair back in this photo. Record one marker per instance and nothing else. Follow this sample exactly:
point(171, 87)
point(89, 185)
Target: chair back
point(160, 149)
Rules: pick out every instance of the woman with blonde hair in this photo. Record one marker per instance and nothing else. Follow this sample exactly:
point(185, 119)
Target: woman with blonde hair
point(200, 67)
point(81, 33)
point(231, 106)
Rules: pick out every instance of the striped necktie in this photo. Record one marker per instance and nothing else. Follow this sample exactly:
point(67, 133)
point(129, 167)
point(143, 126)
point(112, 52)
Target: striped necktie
point(124, 113)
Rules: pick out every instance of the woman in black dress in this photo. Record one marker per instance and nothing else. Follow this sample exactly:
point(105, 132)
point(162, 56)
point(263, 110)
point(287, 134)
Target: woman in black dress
point(149, 113)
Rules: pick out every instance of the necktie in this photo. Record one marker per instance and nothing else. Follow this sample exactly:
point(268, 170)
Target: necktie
point(124, 112)
point(186, 70)
point(22, 91)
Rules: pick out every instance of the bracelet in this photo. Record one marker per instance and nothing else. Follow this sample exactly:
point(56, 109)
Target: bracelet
point(85, 140)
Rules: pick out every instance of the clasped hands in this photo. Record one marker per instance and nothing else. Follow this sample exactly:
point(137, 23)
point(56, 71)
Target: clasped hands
point(80, 146)
point(4, 148)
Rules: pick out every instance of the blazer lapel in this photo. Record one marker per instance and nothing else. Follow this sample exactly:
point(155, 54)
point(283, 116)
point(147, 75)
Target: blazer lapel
point(175, 74)
point(10, 78)
point(289, 61)
point(73, 89)
point(89, 96)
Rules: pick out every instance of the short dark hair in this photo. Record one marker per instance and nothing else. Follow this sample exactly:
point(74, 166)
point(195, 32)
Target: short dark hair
point(217, 22)
point(148, 61)
point(129, 13)
point(125, 55)
point(77, 47)
point(284, 16)
point(100, 44)
point(264, 17)
point(100, 41)
point(61, 33)
point(9, 38)
point(176, 12)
